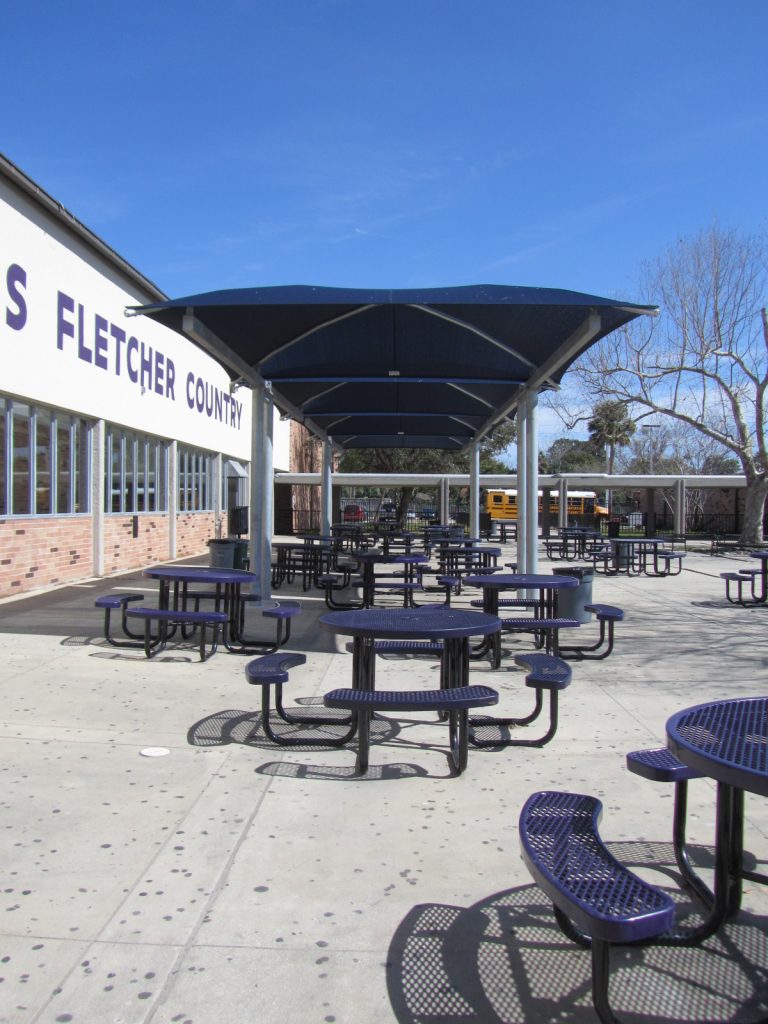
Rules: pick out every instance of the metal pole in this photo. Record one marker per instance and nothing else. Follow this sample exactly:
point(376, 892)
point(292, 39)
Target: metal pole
point(445, 501)
point(532, 482)
point(262, 500)
point(522, 512)
point(326, 494)
point(474, 490)
point(562, 505)
point(680, 507)
point(98, 477)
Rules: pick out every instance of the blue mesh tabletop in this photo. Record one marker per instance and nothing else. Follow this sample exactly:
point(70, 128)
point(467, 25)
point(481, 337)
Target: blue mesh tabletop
point(199, 574)
point(522, 581)
point(411, 623)
point(726, 740)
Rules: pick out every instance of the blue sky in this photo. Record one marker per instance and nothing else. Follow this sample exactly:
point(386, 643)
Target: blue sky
point(392, 143)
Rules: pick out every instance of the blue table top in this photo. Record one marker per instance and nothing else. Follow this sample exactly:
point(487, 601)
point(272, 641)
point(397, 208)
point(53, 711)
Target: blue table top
point(638, 540)
point(411, 623)
point(374, 555)
point(485, 548)
point(199, 574)
point(522, 581)
point(725, 740)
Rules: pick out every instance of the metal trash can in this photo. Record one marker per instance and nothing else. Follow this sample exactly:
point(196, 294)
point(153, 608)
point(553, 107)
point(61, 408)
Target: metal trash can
point(614, 527)
point(241, 555)
point(571, 601)
point(221, 554)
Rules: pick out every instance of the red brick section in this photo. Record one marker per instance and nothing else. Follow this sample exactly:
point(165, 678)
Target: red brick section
point(37, 553)
point(41, 552)
point(123, 551)
point(193, 531)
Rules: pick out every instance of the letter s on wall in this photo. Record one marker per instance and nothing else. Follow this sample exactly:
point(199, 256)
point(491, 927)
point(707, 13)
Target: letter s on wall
point(16, 279)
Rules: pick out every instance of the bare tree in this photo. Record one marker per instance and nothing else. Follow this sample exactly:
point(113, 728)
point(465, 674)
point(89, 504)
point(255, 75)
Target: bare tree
point(704, 360)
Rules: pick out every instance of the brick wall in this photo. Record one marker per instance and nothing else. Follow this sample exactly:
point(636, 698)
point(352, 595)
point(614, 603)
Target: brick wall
point(123, 551)
point(193, 531)
point(37, 553)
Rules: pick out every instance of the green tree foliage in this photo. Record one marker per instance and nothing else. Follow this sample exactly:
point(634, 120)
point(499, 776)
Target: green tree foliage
point(566, 455)
point(610, 427)
point(430, 460)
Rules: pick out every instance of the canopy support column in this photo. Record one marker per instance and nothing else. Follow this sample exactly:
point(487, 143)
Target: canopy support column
point(562, 506)
point(98, 475)
point(474, 490)
point(532, 481)
point(262, 490)
point(522, 511)
point(326, 492)
point(444, 494)
point(680, 508)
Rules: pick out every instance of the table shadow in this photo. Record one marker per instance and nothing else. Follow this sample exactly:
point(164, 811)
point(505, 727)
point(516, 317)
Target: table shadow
point(504, 959)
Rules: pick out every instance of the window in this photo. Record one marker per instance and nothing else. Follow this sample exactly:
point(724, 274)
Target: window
point(196, 480)
point(44, 464)
point(136, 472)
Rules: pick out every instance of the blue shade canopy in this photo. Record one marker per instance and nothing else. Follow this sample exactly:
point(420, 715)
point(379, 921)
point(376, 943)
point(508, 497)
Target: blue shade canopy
point(412, 368)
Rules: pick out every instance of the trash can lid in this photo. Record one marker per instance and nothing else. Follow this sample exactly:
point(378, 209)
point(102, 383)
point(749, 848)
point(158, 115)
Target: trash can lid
point(579, 571)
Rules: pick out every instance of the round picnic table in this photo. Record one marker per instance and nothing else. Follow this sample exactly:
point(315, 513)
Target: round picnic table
point(228, 584)
point(547, 587)
point(372, 557)
point(725, 740)
point(453, 626)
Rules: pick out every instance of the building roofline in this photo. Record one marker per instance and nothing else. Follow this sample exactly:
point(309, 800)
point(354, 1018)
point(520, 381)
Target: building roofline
point(30, 188)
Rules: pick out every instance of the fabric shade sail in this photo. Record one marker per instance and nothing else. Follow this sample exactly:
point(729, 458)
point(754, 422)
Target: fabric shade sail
point(414, 368)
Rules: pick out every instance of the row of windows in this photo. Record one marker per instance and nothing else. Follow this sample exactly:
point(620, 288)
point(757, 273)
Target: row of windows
point(137, 473)
point(46, 455)
point(45, 468)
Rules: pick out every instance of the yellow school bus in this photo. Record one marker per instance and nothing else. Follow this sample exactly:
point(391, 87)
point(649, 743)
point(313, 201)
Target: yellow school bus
point(502, 504)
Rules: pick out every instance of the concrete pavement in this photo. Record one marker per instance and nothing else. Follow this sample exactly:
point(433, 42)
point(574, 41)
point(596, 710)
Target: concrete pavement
point(232, 882)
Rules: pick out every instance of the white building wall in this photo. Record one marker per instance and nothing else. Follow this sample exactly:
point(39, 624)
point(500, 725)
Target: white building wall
point(65, 341)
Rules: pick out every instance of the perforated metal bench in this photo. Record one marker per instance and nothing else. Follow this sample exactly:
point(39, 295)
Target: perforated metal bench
point(546, 630)
point(660, 765)
point(118, 602)
point(605, 559)
point(331, 584)
point(597, 900)
point(739, 579)
point(456, 703)
point(555, 549)
point(545, 673)
point(165, 617)
point(404, 587)
point(283, 613)
point(403, 647)
point(507, 602)
point(667, 558)
point(448, 584)
point(606, 615)
point(270, 672)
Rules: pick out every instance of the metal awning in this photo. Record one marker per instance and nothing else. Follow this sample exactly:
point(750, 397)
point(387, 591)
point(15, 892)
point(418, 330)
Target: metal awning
point(413, 368)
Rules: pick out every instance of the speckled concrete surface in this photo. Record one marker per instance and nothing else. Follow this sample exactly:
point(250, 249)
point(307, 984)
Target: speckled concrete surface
point(232, 881)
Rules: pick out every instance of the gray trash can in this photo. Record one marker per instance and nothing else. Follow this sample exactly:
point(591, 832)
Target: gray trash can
point(221, 554)
point(571, 601)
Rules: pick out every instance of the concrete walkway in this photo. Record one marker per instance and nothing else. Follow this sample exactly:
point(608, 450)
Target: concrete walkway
point(231, 882)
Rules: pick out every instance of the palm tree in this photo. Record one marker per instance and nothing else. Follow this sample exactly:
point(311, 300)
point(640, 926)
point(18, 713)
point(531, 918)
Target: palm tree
point(610, 427)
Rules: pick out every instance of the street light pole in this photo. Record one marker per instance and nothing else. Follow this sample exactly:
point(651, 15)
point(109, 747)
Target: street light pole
point(650, 526)
point(649, 428)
